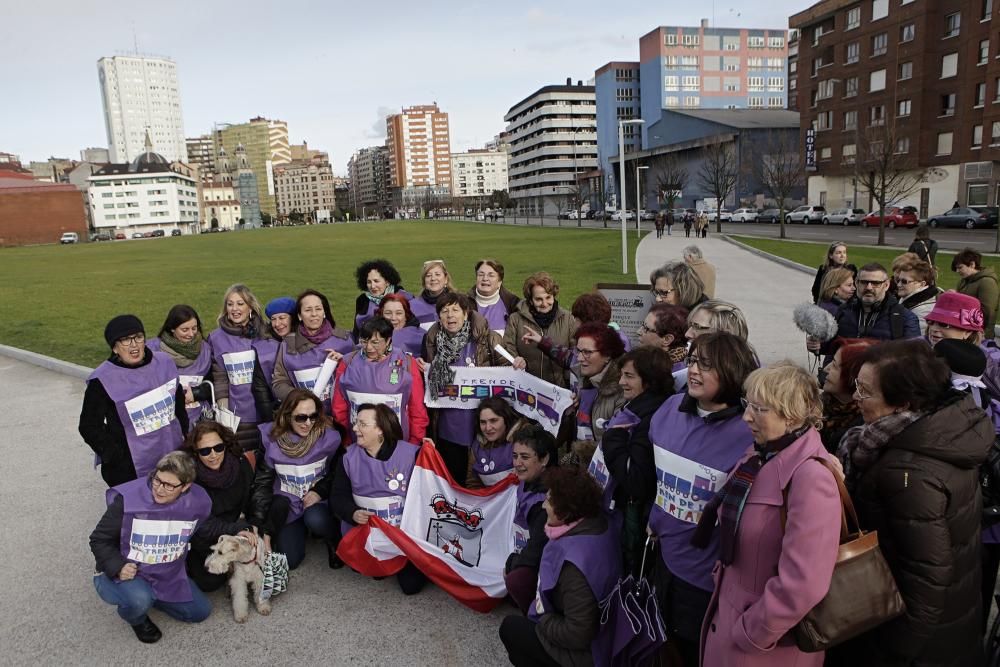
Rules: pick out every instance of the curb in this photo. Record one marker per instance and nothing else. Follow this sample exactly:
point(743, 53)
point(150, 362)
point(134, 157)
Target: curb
point(51, 363)
point(774, 258)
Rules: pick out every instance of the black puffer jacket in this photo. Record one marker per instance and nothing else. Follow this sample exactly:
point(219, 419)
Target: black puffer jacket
point(922, 496)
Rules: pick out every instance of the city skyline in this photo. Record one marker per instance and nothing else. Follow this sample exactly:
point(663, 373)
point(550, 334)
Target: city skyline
point(333, 92)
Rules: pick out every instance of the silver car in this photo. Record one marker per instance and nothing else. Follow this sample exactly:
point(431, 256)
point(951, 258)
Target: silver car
point(806, 214)
point(844, 216)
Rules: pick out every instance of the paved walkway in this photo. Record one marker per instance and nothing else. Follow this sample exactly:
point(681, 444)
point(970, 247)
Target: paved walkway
point(766, 292)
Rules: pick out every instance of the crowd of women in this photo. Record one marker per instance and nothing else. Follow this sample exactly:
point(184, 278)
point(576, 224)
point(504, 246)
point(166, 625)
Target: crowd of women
point(683, 441)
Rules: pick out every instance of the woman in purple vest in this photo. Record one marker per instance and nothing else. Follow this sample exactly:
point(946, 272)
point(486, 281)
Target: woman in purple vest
point(227, 476)
point(534, 450)
point(133, 409)
point(377, 373)
point(304, 350)
point(461, 337)
point(234, 354)
point(281, 314)
point(698, 436)
point(436, 282)
point(494, 301)
point(491, 456)
point(372, 476)
point(180, 338)
point(580, 566)
point(407, 335)
point(377, 279)
point(623, 463)
point(141, 542)
point(290, 488)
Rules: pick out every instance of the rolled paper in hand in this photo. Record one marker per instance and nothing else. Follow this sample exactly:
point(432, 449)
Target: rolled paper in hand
point(503, 352)
point(325, 375)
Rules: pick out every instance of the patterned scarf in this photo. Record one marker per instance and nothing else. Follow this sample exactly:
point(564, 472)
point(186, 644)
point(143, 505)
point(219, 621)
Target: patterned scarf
point(727, 506)
point(294, 449)
point(186, 350)
point(378, 299)
point(449, 347)
point(677, 354)
point(325, 331)
point(862, 445)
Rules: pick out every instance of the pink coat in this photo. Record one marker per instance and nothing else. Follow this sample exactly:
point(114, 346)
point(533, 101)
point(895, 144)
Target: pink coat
point(777, 575)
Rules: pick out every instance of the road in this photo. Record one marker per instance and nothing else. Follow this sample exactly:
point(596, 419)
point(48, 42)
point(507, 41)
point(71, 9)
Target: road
point(982, 240)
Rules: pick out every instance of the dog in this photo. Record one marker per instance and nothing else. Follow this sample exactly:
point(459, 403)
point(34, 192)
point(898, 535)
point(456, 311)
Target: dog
point(244, 564)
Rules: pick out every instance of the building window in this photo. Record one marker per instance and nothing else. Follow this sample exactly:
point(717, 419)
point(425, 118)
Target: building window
point(689, 61)
point(824, 121)
point(944, 143)
point(876, 115)
point(980, 95)
point(755, 83)
point(948, 104)
point(776, 42)
point(672, 101)
point(755, 62)
point(977, 136)
point(850, 120)
point(776, 84)
point(691, 83)
point(851, 87)
point(995, 133)
point(880, 9)
point(755, 42)
point(903, 108)
point(952, 24)
point(849, 151)
point(876, 81)
point(880, 43)
point(987, 10)
point(853, 18)
point(692, 101)
point(825, 153)
point(755, 102)
point(670, 39)
point(949, 65)
point(978, 193)
point(853, 52)
point(775, 103)
point(907, 33)
point(905, 71)
point(984, 52)
point(691, 40)
point(671, 83)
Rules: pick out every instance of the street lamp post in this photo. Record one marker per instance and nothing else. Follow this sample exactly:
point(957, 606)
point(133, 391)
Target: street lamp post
point(621, 166)
point(637, 199)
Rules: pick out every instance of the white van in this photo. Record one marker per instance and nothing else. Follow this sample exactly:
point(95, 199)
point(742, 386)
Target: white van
point(69, 237)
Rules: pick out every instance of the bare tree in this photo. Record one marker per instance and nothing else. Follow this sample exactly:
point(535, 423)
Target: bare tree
point(718, 174)
point(780, 170)
point(884, 168)
point(671, 178)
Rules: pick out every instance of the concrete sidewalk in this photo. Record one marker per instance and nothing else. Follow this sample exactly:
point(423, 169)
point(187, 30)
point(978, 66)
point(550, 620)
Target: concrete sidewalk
point(765, 291)
point(52, 498)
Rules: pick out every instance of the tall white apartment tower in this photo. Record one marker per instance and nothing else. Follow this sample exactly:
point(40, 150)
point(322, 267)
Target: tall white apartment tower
point(140, 93)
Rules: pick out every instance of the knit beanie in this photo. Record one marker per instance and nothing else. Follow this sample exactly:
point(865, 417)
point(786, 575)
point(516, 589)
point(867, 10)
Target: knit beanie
point(283, 304)
point(121, 326)
point(962, 357)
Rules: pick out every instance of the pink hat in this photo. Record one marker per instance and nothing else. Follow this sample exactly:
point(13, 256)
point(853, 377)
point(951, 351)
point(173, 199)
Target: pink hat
point(957, 310)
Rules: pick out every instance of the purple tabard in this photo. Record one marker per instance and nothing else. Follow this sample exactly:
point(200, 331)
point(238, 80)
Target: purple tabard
point(236, 355)
point(194, 375)
point(454, 425)
point(267, 352)
point(303, 368)
point(426, 313)
point(380, 486)
point(155, 536)
point(598, 557)
point(144, 398)
point(293, 477)
point(388, 382)
point(526, 500)
point(492, 464)
point(584, 428)
point(372, 307)
point(496, 316)
point(598, 468)
point(409, 339)
point(693, 458)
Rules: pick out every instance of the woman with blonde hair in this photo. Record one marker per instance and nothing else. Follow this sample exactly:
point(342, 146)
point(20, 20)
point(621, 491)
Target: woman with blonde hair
point(677, 283)
point(776, 524)
point(436, 281)
point(836, 289)
point(716, 315)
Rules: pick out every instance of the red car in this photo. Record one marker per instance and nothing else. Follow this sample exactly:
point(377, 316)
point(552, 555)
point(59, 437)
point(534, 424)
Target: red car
point(895, 216)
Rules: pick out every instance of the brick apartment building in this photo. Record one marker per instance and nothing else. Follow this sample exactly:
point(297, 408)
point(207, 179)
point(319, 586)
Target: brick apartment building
point(926, 70)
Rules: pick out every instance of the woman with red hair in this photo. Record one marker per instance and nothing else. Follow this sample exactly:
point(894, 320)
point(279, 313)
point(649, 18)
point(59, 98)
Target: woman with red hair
point(407, 336)
point(840, 411)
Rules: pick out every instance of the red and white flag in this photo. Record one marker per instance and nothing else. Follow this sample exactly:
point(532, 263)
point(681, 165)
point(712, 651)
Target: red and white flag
point(460, 538)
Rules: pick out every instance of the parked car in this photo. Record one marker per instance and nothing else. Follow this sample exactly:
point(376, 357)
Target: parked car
point(745, 215)
point(771, 215)
point(844, 216)
point(806, 214)
point(100, 236)
point(617, 216)
point(158, 233)
point(895, 216)
point(119, 236)
point(175, 232)
point(601, 215)
point(648, 216)
point(724, 215)
point(137, 235)
point(969, 217)
point(69, 237)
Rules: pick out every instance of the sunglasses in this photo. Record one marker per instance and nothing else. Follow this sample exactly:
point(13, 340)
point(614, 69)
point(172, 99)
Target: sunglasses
point(218, 449)
point(302, 419)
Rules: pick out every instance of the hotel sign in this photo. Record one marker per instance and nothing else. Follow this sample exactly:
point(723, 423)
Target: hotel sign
point(810, 150)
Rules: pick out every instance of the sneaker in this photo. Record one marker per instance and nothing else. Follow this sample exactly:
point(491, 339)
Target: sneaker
point(147, 632)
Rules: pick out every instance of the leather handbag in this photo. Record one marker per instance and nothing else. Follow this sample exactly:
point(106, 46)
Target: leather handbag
point(863, 592)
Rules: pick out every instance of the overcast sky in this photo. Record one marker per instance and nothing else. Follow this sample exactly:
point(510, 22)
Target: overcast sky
point(332, 70)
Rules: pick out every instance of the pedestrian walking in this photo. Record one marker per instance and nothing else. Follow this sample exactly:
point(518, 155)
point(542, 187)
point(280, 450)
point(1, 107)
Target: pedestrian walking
point(688, 223)
point(659, 224)
point(669, 220)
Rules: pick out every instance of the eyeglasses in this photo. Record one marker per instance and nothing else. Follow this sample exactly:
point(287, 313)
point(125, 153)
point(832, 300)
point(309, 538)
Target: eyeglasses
point(701, 328)
point(906, 281)
point(644, 329)
point(586, 354)
point(757, 410)
point(872, 283)
point(861, 391)
point(302, 419)
point(157, 482)
point(134, 339)
point(662, 293)
point(703, 364)
point(364, 424)
point(218, 449)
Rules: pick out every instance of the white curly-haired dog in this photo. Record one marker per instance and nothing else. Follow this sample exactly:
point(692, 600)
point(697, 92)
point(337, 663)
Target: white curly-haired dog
point(244, 563)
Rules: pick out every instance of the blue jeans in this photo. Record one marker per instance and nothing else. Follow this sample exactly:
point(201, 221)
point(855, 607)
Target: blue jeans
point(292, 537)
point(135, 597)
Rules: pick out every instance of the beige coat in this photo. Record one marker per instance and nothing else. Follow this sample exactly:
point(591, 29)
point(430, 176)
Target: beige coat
point(539, 364)
point(706, 272)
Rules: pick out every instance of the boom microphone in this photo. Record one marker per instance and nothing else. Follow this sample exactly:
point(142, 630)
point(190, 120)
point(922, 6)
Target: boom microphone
point(815, 321)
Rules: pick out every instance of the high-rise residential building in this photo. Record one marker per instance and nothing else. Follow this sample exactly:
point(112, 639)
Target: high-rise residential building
point(95, 155)
point(140, 94)
point(265, 143)
point(303, 152)
point(306, 187)
point(368, 173)
point(924, 77)
point(478, 172)
point(201, 153)
point(553, 140)
point(419, 146)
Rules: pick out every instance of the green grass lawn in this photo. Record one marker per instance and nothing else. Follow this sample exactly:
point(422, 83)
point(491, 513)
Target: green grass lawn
point(56, 300)
point(811, 254)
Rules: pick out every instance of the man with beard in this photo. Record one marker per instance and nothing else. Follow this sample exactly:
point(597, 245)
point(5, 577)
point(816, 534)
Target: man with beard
point(872, 312)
